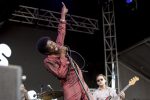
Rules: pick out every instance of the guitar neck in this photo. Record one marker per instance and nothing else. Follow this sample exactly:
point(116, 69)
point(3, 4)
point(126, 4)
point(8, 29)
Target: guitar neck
point(125, 88)
point(131, 82)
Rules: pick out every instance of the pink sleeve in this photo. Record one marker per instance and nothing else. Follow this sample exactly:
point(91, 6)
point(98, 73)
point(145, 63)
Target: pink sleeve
point(57, 68)
point(61, 33)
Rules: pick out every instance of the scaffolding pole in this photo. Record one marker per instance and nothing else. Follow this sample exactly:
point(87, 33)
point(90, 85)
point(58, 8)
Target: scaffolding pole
point(110, 44)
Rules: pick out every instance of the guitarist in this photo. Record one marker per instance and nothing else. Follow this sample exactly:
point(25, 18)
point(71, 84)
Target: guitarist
point(104, 92)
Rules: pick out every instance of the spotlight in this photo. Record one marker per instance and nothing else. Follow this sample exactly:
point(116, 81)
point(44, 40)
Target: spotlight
point(131, 4)
point(129, 1)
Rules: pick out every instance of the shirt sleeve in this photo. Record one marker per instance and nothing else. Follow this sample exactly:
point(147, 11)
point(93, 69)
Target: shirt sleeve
point(61, 33)
point(58, 68)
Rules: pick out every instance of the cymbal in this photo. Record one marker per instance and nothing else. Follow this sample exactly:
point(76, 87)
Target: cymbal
point(51, 94)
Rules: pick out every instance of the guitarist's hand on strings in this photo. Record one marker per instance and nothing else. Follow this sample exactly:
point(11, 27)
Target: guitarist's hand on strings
point(121, 95)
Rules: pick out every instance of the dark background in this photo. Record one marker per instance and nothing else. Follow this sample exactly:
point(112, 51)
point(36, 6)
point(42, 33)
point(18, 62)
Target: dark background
point(131, 27)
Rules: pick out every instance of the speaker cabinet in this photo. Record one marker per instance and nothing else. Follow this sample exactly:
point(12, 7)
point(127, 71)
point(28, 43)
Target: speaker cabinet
point(10, 80)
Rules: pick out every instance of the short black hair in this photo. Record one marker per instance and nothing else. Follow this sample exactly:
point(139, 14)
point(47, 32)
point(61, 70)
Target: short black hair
point(41, 45)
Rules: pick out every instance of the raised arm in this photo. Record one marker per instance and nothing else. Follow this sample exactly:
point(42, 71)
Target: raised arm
point(62, 26)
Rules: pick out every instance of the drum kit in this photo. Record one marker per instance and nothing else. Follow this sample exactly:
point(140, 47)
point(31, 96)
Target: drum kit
point(46, 95)
point(43, 95)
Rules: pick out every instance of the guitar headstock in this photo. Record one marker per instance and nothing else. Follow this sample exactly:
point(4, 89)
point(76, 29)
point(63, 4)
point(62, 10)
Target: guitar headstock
point(133, 80)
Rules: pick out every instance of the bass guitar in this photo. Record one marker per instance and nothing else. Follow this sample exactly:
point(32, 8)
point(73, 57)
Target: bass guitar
point(132, 81)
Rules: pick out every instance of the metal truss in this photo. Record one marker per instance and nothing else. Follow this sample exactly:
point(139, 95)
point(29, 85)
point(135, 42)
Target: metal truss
point(110, 44)
point(46, 18)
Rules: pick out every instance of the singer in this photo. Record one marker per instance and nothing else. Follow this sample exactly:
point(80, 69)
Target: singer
point(58, 63)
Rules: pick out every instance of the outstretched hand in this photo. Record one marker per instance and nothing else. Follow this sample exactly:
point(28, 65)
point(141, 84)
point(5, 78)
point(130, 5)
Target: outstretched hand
point(64, 9)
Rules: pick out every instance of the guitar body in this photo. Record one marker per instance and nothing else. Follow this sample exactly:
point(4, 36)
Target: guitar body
point(108, 98)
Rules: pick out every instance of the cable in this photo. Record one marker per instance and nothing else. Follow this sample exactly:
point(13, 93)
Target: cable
point(73, 51)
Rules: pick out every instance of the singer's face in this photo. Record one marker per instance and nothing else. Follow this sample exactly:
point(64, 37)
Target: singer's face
point(52, 46)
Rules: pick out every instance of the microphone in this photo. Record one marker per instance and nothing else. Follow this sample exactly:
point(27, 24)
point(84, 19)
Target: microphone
point(49, 86)
point(63, 48)
point(60, 49)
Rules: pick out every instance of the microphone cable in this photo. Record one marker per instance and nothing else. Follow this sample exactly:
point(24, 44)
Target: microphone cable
point(73, 51)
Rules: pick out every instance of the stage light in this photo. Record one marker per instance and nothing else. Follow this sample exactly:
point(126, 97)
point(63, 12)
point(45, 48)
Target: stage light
point(131, 4)
point(129, 1)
